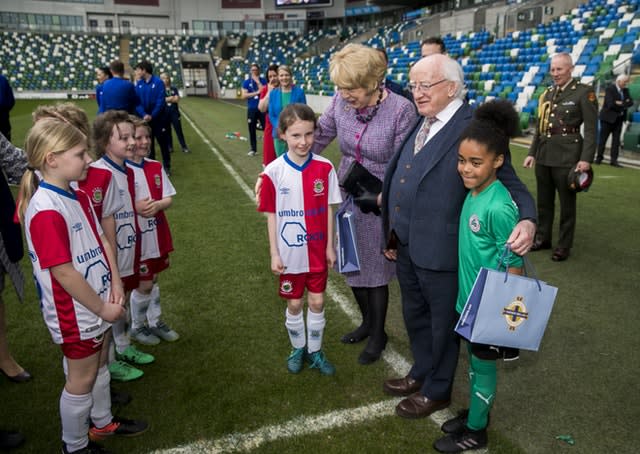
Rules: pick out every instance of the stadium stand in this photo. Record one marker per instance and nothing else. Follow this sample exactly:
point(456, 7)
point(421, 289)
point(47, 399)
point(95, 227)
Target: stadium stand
point(55, 62)
point(603, 37)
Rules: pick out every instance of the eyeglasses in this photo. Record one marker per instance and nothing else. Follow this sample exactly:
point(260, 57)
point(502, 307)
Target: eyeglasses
point(423, 86)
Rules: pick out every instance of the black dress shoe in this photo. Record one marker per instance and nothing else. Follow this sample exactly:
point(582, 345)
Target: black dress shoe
point(615, 164)
point(540, 244)
point(369, 357)
point(10, 439)
point(598, 161)
point(355, 336)
point(560, 254)
point(22, 377)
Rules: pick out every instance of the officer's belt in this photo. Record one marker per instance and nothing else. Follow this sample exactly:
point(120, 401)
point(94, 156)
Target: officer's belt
point(563, 130)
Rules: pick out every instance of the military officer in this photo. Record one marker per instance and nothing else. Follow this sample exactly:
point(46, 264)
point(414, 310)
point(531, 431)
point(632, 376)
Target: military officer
point(557, 148)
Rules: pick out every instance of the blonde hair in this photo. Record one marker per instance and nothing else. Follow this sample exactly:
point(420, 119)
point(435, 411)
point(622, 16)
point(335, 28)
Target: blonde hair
point(65, 111)
point(358, 66)
point(69, 113)
point(47, 135)
point(284, 68)
point(103, 128)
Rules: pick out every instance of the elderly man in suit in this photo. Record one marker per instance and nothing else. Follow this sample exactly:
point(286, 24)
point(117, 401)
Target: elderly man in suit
point(421, 202)
point(614, 110)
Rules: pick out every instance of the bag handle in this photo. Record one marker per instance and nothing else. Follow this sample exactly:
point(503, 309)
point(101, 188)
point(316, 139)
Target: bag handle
point(504, 262)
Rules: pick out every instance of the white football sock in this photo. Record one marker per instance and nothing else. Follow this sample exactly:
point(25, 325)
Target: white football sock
point(139, 305)
point(154, 312)
point(101, 394)
point(74, 414)
point(315, 330)
point(120, 336)
point(295, 328)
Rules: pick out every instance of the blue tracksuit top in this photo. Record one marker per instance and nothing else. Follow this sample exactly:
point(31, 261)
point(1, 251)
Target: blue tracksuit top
point(118, 94)
point(151, 96)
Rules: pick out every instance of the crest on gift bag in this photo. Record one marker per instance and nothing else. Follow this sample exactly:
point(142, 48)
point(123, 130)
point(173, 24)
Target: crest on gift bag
point(515, 313)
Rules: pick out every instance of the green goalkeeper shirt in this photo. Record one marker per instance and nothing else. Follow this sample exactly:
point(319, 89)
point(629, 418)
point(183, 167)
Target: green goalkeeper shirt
point(486, 221)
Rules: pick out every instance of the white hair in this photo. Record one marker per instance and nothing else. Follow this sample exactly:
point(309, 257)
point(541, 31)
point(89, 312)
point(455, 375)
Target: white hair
point(566, 55)
point(622, 77)
point(452, 71)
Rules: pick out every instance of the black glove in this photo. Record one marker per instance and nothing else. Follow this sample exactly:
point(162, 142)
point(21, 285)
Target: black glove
point(367, 202)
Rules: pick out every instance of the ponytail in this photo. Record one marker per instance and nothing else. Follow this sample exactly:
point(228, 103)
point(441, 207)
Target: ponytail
point(28, 185)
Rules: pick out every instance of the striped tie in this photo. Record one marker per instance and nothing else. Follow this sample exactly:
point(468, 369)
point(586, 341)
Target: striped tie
point(423, 133)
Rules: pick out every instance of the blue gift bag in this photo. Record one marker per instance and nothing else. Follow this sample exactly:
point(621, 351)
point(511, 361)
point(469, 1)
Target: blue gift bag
point(507, 310)
point(348, 260)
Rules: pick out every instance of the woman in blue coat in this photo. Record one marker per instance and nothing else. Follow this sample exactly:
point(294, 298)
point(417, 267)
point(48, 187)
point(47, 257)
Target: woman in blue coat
point(277, 99)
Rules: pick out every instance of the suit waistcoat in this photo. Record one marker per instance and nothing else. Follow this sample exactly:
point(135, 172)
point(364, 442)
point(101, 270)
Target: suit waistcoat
point(404, 184)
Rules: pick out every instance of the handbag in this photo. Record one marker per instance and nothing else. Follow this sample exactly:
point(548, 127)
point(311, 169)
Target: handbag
point(507, 310)
point(348, 260)
point(357, 180)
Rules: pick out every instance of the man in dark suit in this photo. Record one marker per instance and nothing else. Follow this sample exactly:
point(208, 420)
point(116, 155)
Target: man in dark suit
point(421, 202)
point(614, 111)
point(557, 148)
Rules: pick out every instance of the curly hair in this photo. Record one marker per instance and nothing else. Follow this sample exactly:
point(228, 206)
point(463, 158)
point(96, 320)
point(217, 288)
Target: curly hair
point(493, 124)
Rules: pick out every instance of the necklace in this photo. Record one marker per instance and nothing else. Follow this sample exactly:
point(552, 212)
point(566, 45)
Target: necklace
point(367, 118)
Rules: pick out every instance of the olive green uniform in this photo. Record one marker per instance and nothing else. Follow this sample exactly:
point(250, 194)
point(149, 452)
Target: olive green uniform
point(557, 147)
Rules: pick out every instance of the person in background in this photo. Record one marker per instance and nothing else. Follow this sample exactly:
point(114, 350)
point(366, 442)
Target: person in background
point(391, 84)
point(421, 202)
point(613, 114)
point(268, 148)
point(251, 92)
point(277, 99)
point(151, 94)
point(172, 96)
point(557, 148)
point(118, 93)
point(432, 45)
point(102, 75)
point(7, 101)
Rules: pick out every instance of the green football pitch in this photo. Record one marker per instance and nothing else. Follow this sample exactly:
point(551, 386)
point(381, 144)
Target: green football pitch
point(223, 387)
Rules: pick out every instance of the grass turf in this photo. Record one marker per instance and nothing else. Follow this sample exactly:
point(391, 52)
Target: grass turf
point(227, 375)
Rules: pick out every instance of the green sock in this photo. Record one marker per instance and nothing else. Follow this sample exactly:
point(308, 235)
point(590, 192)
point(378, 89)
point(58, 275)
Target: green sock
point(483, 391)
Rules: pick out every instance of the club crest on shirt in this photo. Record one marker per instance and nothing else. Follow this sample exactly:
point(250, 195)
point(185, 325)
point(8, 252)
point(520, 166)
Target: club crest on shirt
point(515, 313)
point(157, 180)
point(96, 195)
point(318, 186)
point(286, 287)
point(474, 223)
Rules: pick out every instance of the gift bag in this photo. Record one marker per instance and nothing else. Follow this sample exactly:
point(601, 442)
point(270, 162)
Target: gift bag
point(507, 310)
point(348, 260)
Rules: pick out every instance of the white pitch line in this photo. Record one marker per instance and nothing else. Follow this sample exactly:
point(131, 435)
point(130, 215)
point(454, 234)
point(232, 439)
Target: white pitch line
point(299, 426)
point(303, 425)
